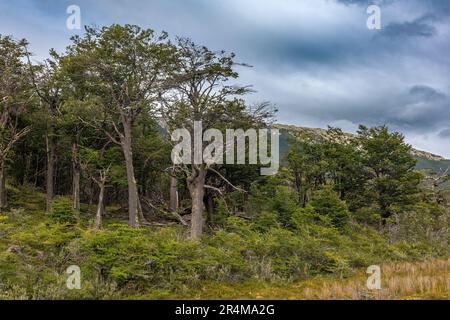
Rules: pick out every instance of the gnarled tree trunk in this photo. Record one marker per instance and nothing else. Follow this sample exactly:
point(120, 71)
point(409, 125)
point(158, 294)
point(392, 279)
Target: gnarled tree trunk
point(132, 184)
point(196, 186)
point(173, 202)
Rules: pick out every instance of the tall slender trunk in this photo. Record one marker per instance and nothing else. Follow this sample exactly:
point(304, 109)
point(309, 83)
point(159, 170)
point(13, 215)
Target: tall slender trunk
point(141, 217)
point(75, 177)
point(91, 193)
point(132, 184)
point(173, 202)
point(298, 186)
point(27, 160)
point(36, 172)
point(3, 199)
point(100, 206)
point(51, 155)
point(209, 205)
point(196, 186)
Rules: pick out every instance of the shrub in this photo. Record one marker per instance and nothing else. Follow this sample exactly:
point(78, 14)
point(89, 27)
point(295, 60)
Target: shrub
point(62, 211)
point(266, 220)
point(425, 225)
point(326, 202)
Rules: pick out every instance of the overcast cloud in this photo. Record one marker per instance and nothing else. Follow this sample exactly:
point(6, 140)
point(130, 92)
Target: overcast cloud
point(315, 59)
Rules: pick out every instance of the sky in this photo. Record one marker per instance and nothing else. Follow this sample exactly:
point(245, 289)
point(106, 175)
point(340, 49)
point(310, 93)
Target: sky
point(316, 60)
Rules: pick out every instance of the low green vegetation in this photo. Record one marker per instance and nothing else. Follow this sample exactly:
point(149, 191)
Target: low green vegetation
point(283, 244)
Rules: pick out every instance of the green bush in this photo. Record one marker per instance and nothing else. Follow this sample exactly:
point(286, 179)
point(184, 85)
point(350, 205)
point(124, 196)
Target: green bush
point(327, 203)
point(62, 211)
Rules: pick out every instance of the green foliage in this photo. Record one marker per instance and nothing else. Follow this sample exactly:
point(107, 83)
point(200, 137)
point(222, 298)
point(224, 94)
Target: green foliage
point(390, 168)
point(120, 261)
point(326, 202)
point(62, 211)
point(373, 170)
point(267, 220)
point(284, 204)
point(272, 198)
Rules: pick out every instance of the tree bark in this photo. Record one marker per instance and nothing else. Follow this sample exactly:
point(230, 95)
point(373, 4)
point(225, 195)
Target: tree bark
point(75, 177)
point(209, 205)
point(141, 217)
point(132, 184)
point(196, 186)
point(173, 202)
point(3, 199)
point(100, 206)
point(298, 187)
point(36, 172)
point(51, 155)
point(27, 161)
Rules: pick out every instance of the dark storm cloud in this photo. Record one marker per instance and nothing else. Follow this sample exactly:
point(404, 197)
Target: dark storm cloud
point(445, 133)
point(426, 93)
point(423, 107)
point(441, 7)
point(419, 108)
point(420, 27)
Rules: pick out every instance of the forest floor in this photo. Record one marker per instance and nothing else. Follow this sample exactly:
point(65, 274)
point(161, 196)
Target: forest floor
point(410, 281)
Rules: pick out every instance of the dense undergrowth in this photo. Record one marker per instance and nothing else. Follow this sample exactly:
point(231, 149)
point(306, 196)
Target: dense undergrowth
point(158, 262)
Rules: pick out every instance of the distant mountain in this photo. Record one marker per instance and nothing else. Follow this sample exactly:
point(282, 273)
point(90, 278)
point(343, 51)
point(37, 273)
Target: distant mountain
point(425, 160)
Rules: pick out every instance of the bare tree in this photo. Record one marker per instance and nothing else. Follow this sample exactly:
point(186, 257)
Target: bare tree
point(440, 177)
point(101, 183)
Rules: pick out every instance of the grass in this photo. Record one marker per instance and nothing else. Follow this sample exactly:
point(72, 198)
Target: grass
point(417, 280)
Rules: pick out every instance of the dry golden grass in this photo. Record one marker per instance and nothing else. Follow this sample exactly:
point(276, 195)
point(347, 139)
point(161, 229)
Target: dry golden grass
point(417, 280)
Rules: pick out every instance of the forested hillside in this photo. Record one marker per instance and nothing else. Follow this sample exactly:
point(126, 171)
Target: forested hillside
point(87, 180)
point(425, 160)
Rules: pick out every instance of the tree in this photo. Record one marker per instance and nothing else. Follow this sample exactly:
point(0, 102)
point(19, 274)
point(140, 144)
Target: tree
point(101, 165)
point(47, 84)
point(392, 179)
point(306, 158)
point(345, 168)
point(202, 93)
point(77, 100)
point(15, 96)
point(125, 68)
